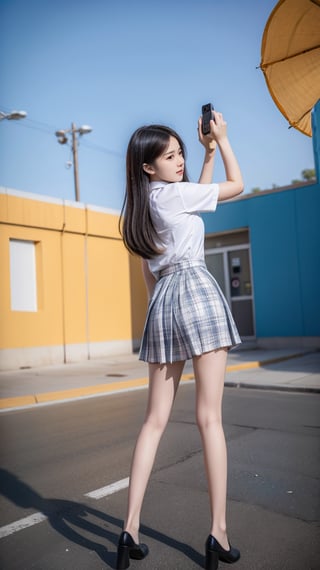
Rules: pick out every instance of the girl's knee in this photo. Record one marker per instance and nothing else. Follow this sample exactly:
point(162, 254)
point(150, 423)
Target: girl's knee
point(208, 420)
point(156, 422)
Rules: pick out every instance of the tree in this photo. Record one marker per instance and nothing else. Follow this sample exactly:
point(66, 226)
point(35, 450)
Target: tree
point(308, 174)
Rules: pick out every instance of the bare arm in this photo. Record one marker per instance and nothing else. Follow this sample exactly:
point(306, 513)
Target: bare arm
point(210, 146)
point(233, 185)
point(149, 279)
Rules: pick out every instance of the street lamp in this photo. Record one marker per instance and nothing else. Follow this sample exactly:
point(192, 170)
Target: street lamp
point(13, 116)
point(63, 139)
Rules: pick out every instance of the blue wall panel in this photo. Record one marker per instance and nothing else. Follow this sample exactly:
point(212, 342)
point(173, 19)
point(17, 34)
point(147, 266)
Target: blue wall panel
point(308, 251)
point(316, 137)
point(275, 265)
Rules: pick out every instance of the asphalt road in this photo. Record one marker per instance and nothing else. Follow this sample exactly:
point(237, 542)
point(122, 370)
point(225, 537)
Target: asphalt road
point(53, 456)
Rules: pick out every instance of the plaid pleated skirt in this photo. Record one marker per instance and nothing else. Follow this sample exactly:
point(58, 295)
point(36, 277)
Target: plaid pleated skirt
point(188, 315)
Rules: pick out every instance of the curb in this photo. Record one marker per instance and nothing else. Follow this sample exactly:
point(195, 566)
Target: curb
point(64, 395)
point(260, 363)
point(274, 387)
point(17, 402)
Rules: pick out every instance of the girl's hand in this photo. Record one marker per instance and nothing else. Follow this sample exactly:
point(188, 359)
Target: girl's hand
point(218, 131)
point(218, 127)
point(208, 141)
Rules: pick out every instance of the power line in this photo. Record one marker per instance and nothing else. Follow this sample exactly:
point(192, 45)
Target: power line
point(99, 148)
point(51, 129)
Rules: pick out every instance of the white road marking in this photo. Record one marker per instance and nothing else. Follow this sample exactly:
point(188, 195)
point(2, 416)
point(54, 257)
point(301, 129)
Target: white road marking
point(109, 489)
point(21, 524)
point(37, 518)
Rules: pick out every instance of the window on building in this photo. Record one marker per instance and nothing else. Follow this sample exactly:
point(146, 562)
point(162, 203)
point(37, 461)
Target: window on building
point(23, 275)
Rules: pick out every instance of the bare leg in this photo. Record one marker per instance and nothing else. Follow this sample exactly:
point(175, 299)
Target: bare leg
point(163, 384)
point(209, 372)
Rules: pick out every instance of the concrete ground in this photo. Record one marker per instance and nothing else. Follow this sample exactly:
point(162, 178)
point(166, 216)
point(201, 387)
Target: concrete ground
point(281, 369)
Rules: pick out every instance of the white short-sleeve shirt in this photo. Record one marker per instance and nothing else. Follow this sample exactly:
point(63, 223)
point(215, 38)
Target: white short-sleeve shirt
point(175, 209)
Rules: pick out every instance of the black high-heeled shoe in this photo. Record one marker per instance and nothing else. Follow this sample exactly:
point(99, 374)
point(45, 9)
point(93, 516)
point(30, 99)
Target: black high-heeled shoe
point(215, 552)
point(127, 548)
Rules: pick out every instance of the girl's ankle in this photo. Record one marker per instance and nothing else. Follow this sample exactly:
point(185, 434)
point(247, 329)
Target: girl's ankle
point(133, 530)
point(220, 534)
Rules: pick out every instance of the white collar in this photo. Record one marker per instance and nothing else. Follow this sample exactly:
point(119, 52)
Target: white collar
point(157, 184)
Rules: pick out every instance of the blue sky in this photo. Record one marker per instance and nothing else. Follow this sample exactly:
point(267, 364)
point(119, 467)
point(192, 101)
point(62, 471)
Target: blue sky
point(118, 64)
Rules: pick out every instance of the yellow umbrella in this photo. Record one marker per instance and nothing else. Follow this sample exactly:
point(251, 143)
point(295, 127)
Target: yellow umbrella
point(290, 59)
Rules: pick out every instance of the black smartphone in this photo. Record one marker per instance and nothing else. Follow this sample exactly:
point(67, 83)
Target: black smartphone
point(207, 115)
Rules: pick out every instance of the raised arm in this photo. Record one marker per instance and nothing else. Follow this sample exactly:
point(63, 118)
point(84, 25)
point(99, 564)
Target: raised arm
point(233, 185)
point(210, 146)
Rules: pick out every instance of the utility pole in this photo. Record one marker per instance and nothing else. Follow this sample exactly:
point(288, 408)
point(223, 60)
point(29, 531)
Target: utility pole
point(75, 161)
point(63, 139)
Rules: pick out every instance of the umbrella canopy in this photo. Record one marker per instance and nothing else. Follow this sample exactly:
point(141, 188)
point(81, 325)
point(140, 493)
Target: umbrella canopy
point(290, 59)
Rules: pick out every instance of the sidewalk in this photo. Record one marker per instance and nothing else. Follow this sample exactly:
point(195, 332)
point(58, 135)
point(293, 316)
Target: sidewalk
point(283, 369)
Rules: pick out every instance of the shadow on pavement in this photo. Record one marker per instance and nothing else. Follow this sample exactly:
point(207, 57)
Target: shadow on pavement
point(63, 513)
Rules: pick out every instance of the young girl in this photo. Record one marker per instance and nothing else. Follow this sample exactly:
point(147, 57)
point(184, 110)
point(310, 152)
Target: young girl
point(188, 316)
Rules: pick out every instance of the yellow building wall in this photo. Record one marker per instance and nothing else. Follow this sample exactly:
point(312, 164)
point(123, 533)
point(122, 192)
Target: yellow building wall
point(74, 288)
point(32, 213)
point(108, 290)
point(139, 299)
point(44, 326)
point(83, 283)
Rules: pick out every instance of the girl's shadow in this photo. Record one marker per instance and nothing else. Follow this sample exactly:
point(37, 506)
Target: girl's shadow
point(63, 515)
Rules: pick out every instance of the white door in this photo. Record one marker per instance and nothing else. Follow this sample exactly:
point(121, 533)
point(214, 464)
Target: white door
point(231, 267)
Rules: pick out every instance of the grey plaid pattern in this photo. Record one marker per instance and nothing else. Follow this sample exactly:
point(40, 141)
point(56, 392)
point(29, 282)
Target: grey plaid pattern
point(187, 315)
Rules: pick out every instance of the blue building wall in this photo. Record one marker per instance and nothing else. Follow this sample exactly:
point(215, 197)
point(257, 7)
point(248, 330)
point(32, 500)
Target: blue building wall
point(284, 229)
point(316, 137)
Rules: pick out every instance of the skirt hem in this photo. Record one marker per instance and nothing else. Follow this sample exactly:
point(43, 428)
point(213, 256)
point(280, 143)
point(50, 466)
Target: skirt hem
point(229, 346)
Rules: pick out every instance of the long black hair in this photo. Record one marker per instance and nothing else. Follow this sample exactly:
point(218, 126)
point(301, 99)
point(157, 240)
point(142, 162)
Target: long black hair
point(135, 224)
